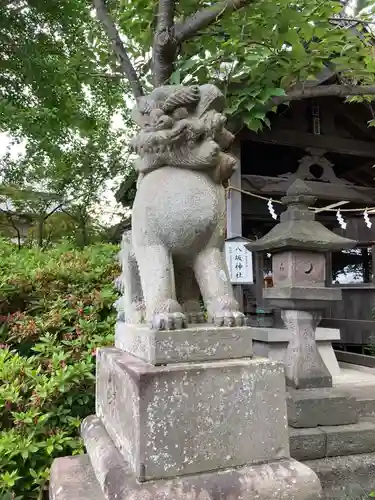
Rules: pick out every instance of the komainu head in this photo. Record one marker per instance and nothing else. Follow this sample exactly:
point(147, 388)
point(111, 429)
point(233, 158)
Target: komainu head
point(183, 127)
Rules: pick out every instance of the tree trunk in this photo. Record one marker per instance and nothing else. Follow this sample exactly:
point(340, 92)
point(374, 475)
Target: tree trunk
point(165, 46)
point(84, 233)
point(18, 239)
point(15, 227)
point(164, 54)
point(40, 232)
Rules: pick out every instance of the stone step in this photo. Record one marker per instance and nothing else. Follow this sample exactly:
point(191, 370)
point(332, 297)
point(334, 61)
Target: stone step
point(324, 406)
point(332, 441)
point(345, 478)
point(366, 407)
point(365, 397)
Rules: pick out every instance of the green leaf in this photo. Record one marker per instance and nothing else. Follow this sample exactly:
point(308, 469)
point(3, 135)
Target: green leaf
point(254, 124)
point(260, 115)
point(274, 92)
point(249, 106)
point(175, 78)
point(266, 121)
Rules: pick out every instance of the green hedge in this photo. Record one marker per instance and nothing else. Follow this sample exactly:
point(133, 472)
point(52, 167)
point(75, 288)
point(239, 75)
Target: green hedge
point(55, 310)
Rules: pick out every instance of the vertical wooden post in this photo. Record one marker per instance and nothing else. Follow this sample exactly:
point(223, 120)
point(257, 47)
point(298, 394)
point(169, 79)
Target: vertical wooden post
point(234, 200)
point(259, 279)
point(366, 265)
point(234, 211)
point(373, 262)
point(328, 280)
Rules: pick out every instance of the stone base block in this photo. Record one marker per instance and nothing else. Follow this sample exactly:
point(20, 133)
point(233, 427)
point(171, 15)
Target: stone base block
point(73, 478)
point(273, 342)
point(199, 343)
point(317, 376)
point(341, 440)
point(106, 476)
point(322, 406)
point(188, 418)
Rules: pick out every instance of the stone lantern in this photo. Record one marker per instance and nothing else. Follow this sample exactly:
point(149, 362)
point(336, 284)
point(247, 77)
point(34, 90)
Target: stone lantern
point(298, 245)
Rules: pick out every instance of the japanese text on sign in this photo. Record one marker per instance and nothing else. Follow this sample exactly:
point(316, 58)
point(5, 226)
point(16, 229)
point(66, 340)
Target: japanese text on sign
point(239, 262)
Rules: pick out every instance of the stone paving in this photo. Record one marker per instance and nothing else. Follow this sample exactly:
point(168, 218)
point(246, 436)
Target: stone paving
point(354, 375)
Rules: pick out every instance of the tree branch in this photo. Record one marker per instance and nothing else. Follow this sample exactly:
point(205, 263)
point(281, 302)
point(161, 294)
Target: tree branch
point(349, 20)
point(334, 90)
point(51, 212)
point(205, 17)
point(118, 47)
point(9, 216)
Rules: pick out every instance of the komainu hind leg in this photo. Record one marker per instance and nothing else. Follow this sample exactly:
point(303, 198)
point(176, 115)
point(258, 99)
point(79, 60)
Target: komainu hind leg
point(130, 306)
point(188, 293)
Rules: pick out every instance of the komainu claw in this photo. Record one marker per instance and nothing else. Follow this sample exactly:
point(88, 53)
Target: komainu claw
point(169, 321)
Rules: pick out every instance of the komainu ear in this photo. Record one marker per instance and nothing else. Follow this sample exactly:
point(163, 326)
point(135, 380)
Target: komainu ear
point(182, 97)
point(210, 98)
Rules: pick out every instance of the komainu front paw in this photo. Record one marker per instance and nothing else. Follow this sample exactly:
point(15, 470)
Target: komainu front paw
point(169, 321)
point(168, 316)
point(229, 318)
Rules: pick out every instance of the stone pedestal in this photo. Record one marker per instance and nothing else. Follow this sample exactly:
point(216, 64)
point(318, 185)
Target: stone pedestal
point(273, 342)
point(304, 366)
point(202, 343)
point(301, 312)
point(178, 419)
point(196, 427)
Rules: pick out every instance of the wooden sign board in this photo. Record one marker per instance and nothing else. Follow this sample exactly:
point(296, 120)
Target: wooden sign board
point(239, 262)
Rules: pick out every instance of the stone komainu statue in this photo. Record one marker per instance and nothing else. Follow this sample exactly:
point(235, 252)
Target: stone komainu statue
point(175, 248)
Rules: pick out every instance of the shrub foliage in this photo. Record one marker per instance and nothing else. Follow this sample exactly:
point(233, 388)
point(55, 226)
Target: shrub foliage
point(56, 309)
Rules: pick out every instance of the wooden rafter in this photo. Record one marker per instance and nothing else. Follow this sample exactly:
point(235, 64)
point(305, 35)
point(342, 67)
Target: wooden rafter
point(361, 174)
point(304, 140)
point(345, 110)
